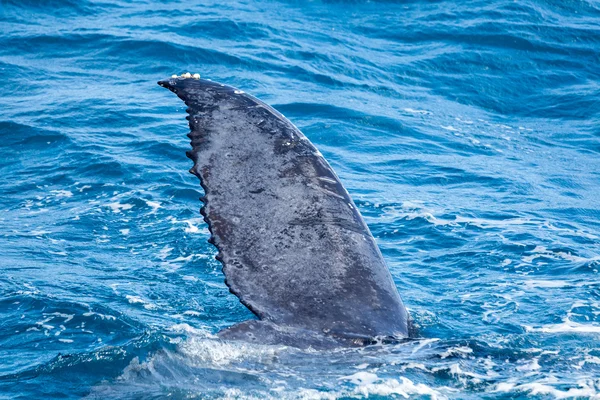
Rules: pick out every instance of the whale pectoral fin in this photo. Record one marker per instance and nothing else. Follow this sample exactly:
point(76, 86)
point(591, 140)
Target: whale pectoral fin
point(293, 245)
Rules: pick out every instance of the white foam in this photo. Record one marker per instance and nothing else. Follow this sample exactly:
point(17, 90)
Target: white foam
point(186, 328)
point(192, 225)
point(507, 261)
point(533, 365)
point(419, 112)
point(62, 193)
point(542, 251)
point(492, 223)
point(154, 204)
point(134, 299)
point(455, 369)
point(540, 283)
point(415, 209)
point(66, 317)
point(574, 232)
point(165, 252)
point(411, 365)
point(102, 316)
point(567, 326)
point(202, 350)
point(39, 232)
point(449, 128)
point(182, 258)
point(388, 387)
point(460, 351)
point(60, 330)
point(423, 343)
point(138, 300)
point(191, 228)
point(588, 360)
point(361, 378)
point(118, 207)
point(464, 121)
point(585, 390)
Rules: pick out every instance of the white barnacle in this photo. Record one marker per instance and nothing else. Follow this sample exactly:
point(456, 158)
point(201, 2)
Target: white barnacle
point(187, 75)
point(196, 76)
point(238, 92)
point(174, 76)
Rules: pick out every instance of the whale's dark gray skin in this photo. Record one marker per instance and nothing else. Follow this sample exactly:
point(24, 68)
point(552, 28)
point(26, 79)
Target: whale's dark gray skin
point(293, 245)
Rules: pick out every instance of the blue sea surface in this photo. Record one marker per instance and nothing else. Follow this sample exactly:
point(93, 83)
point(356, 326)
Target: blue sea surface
point(468, 134)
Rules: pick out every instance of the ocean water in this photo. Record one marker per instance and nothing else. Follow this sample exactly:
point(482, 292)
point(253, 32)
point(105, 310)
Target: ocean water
point(468, 133)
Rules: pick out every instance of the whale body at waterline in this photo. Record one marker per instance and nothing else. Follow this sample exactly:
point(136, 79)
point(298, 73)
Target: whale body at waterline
point(293, 245)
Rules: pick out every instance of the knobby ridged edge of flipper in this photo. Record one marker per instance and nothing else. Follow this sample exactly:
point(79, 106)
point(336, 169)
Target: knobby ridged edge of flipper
point(191, 154)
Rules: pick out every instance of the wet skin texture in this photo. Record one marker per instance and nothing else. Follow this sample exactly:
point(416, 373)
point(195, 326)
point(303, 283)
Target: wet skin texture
point(293, 245)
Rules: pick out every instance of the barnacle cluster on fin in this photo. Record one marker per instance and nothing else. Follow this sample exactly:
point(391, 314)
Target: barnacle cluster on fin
point(186, 75)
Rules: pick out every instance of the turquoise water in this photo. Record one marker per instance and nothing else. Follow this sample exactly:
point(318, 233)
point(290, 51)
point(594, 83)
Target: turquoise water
point(468, 135)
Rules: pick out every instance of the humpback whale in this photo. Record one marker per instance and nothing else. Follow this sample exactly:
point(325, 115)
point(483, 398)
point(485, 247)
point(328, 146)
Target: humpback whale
point(294, 248)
